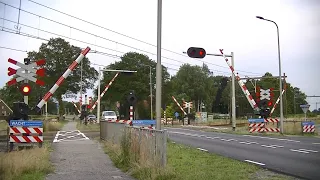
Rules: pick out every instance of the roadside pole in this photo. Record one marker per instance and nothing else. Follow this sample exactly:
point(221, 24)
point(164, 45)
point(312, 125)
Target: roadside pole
point(233, 96)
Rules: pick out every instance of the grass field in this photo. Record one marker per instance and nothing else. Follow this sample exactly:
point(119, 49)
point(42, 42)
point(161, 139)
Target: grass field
point(31, 164)
point(186, 163)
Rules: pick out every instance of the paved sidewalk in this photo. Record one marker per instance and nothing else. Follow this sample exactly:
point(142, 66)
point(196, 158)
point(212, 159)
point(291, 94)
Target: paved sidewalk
point(76, 157)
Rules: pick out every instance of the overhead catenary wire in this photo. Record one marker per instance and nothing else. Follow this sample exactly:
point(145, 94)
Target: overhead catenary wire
point(97, 36)
point(28, 35)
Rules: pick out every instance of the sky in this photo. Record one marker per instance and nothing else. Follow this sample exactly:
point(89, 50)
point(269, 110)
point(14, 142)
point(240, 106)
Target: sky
point(230, 25)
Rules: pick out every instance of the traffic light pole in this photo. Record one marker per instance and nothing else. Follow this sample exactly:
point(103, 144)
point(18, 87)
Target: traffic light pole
point(233, 89)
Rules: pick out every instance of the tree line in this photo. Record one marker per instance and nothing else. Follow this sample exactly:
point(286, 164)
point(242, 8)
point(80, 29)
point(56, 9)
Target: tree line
point(191, 83)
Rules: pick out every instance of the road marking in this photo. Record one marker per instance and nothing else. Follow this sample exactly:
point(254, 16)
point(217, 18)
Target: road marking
point(272, 138)
point(315, 143)
point(66, 136)
point(299, 151)
point(308, 150)
point(202, 149)
point(272, 146)
point(248, 142)
point(254, 162)
point(56, 137)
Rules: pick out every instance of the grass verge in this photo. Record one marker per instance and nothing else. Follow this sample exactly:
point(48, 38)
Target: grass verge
point(53, 126)
point(89, 127)
point(30, 164)
point(186, 163)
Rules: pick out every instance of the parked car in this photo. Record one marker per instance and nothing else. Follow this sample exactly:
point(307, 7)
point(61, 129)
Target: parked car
point(92, 117)
point(108, 115)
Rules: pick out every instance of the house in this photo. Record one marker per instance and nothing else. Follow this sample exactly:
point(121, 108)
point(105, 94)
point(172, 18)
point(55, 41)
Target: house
point(5, 109)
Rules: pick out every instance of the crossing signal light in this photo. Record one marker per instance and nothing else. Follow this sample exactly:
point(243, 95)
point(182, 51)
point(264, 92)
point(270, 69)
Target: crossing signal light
point(269, 103)
point(25, 89)
point(195, 52)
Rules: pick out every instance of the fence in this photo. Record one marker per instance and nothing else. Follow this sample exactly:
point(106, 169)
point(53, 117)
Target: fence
point(143, 144)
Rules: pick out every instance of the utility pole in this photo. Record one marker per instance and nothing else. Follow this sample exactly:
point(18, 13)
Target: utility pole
point(81, 84)
point(159, 67)
point(151, 96)
point(99, 96)
point(233, 96)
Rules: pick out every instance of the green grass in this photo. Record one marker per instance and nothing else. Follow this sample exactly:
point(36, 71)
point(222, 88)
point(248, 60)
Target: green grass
point(88, 127)
point(3, 125)
point(187, 163)
point(30, 164)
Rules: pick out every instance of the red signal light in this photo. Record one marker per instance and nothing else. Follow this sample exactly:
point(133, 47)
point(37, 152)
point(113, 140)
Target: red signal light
point(25, 89)
point(195, 52)
point(269, 103)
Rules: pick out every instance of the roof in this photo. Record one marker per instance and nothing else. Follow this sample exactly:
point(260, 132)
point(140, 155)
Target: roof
point(6, 105)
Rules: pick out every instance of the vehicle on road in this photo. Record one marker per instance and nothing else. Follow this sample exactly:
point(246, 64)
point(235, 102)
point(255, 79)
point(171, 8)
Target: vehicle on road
point(91, 118)
point(108, 115)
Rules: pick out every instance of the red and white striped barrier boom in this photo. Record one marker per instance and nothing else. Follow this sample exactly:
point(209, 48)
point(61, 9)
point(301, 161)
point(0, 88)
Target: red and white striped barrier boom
point(241, 84)
point(104, 91)
point(76, 107)
point(179, 105)
point(277, 102)
point(62, 78)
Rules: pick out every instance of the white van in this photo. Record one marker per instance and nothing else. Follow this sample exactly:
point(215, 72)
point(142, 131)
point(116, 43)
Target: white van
point(108, 115)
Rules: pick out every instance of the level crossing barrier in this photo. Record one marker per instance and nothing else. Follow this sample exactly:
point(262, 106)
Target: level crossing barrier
point(260, 125)
point(308, 127)
point(25, 133)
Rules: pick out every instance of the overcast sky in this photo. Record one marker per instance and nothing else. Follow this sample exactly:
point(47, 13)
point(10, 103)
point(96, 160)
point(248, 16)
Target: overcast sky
point(211, 24)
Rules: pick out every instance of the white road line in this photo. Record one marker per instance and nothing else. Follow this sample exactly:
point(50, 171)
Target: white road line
point(272, 146)
point(308, 150)
point(268, 146)
point(271, 138)
point(248, 142)
point(299, 151)
point(254, 162)
point(56, 137)
point(202, 149)
point(316, 143)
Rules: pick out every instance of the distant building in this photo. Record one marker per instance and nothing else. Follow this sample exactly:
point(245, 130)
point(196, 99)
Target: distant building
point(5, 109)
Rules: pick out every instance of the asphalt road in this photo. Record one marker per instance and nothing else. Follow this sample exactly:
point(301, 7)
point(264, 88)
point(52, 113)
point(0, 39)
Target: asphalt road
point(297, 156)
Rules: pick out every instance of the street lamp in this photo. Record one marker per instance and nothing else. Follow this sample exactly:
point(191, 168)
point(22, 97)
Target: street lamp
point(99, 94)
point(280, 79)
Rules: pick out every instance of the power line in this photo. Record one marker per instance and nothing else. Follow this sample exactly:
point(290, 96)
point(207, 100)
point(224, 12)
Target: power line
point(28, 35)
point(104, 27)
point(110, 31)
point(1, 47)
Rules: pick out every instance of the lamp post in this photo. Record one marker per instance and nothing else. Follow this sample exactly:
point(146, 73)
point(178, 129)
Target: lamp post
point(99, 94)
point(280, 79)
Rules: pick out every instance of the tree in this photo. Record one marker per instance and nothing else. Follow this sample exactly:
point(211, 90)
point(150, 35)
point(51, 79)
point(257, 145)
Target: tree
point(59, 54)
point(139, 82)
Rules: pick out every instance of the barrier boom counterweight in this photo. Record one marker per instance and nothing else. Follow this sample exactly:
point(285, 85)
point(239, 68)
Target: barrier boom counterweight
point(241, 84)
point(61, 79)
